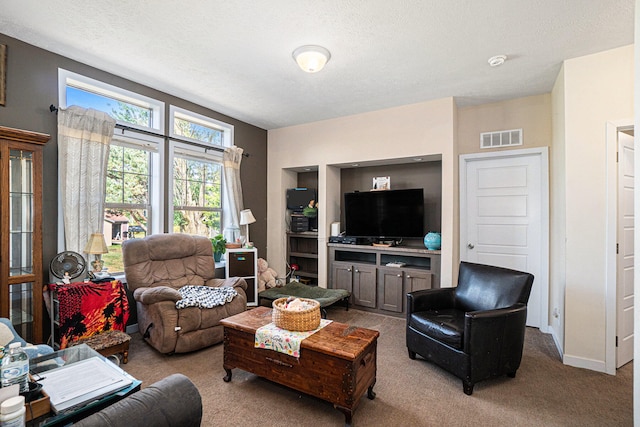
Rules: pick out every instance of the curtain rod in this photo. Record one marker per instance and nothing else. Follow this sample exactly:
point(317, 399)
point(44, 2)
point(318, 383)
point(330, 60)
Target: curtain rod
point(54, 109)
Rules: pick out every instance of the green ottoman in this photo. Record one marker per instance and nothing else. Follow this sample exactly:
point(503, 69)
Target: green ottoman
point(325, 297)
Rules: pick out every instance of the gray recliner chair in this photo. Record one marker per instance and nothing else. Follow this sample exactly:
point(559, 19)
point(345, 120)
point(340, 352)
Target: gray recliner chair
point(156, 267)
point(172, 401)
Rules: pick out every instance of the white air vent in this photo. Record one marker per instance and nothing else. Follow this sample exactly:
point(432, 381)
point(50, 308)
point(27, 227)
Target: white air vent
point(501, 138)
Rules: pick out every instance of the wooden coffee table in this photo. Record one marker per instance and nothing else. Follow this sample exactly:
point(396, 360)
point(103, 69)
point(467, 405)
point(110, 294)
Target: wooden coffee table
point(336, 364)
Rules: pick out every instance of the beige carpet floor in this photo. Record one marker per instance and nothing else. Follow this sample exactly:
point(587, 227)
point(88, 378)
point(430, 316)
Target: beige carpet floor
point(409, 392)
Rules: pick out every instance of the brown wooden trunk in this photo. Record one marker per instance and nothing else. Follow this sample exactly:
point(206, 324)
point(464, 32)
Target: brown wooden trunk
point(336, 364)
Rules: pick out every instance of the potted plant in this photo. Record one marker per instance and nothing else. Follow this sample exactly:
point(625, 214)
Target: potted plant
point(219, 246)
point(311, 210)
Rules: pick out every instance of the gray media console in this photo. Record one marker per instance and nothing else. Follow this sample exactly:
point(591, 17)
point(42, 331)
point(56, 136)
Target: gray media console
point(380, 277)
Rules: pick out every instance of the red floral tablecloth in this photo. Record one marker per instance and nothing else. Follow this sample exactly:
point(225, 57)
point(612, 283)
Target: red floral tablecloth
point(87, 308)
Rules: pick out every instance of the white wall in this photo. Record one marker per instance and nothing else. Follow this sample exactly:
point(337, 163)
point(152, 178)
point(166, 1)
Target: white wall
point(636, 277)
point(558, 218)
point(421, 129)
point(597, 88)
point(589, 92)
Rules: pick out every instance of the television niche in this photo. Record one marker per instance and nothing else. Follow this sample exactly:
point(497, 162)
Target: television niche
point(388, 215)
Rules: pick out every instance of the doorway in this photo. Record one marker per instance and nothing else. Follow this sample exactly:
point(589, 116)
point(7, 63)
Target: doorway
point(504, 217)
point(620, 245)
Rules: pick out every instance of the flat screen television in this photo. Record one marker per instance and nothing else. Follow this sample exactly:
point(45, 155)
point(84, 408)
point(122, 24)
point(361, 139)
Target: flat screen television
point(390, 214)
point(298, 198)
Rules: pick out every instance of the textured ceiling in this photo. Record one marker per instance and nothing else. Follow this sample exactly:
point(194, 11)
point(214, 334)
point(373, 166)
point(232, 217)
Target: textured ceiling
point(235, 56)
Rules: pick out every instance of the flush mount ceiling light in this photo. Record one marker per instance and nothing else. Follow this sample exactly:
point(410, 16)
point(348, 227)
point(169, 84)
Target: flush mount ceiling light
point(311, 58)
point(497, 60)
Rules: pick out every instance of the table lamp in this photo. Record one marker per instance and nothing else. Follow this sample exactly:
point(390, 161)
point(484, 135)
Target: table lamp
point(96, 246)
point(246, 218)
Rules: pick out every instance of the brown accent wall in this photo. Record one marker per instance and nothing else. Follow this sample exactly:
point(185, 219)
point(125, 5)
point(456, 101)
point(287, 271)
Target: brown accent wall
point(32, 85)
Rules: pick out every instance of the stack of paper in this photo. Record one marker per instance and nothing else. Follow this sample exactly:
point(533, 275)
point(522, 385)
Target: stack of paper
point(80, 383)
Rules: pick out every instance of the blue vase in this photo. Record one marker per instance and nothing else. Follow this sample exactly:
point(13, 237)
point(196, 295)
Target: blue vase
point(432, 241)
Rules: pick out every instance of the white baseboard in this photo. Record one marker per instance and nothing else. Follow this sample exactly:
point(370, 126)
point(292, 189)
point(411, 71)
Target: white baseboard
point(556, 341)
point(581, 362)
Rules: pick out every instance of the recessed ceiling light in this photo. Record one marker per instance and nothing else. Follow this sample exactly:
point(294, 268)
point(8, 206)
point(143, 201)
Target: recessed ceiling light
point(355, 165)
point(417, 159)
point(497, 60)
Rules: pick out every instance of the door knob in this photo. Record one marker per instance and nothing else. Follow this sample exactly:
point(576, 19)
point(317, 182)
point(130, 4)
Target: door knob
point(470, 246)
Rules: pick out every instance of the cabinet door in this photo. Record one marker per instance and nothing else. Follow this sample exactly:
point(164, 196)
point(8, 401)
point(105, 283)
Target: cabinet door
point(342, 275)
point(364, 285)
point(21, 276)
point(241, 263)
point(390, 288)
point(416, 280)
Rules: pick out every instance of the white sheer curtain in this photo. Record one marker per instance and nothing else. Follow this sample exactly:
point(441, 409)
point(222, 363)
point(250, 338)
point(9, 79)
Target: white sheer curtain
point(232, 158)
point(84, 136)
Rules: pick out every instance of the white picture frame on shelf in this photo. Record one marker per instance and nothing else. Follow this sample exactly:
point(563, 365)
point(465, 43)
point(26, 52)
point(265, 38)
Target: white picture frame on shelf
point(381, 183)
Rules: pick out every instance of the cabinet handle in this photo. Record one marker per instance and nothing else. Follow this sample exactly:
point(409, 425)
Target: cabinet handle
point(357, 271)
point(349, 270)
point(408, 276)
point(399, 275)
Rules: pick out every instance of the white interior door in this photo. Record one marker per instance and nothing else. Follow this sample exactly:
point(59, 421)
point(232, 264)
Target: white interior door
point(503, 213)
point(625, 251)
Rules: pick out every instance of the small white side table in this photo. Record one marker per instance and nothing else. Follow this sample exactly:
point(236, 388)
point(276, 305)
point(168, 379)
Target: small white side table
point(243, 263)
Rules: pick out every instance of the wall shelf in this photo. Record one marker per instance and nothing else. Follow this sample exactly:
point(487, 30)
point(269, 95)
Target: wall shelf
point(302, 249)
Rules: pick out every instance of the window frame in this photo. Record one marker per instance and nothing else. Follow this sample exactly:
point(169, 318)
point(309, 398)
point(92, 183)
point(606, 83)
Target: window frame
point(194, 152)
point(159, 137)
point(154, 145)
point(199, 119)
point(88, 84)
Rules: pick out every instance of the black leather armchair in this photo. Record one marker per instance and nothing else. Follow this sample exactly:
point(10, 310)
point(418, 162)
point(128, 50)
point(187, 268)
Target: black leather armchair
point(475, 330)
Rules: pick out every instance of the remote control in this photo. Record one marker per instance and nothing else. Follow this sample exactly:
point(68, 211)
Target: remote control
point(395, 264)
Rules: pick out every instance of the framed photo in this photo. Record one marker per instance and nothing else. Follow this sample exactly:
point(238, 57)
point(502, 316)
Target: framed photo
point(381, 183)
point(3, 73)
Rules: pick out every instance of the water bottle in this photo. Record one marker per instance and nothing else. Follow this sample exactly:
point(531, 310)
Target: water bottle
point(15, 368)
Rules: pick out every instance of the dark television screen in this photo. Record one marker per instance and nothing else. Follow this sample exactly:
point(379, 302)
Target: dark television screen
point(298, 198)
point(388, 214)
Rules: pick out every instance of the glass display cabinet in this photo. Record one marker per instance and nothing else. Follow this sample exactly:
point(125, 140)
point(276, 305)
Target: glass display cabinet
point(21, 270)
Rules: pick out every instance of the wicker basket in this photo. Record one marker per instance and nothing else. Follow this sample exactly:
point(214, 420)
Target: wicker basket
point(306, 320)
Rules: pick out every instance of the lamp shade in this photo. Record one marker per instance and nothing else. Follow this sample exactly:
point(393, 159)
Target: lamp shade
point(96, 244)
point(311, 58)
point(246, 217)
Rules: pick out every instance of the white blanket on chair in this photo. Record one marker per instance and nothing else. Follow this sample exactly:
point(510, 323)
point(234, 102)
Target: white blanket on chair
point(204, 296)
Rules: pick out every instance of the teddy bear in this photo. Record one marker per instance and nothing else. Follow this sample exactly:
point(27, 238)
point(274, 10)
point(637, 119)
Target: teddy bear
point(267, 276)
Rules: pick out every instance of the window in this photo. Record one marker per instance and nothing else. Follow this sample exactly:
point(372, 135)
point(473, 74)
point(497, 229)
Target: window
point(126, 107)
point(196, 191)
point(135, 188)
point(196, 182)
point(198, 128)
point(132, 206)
